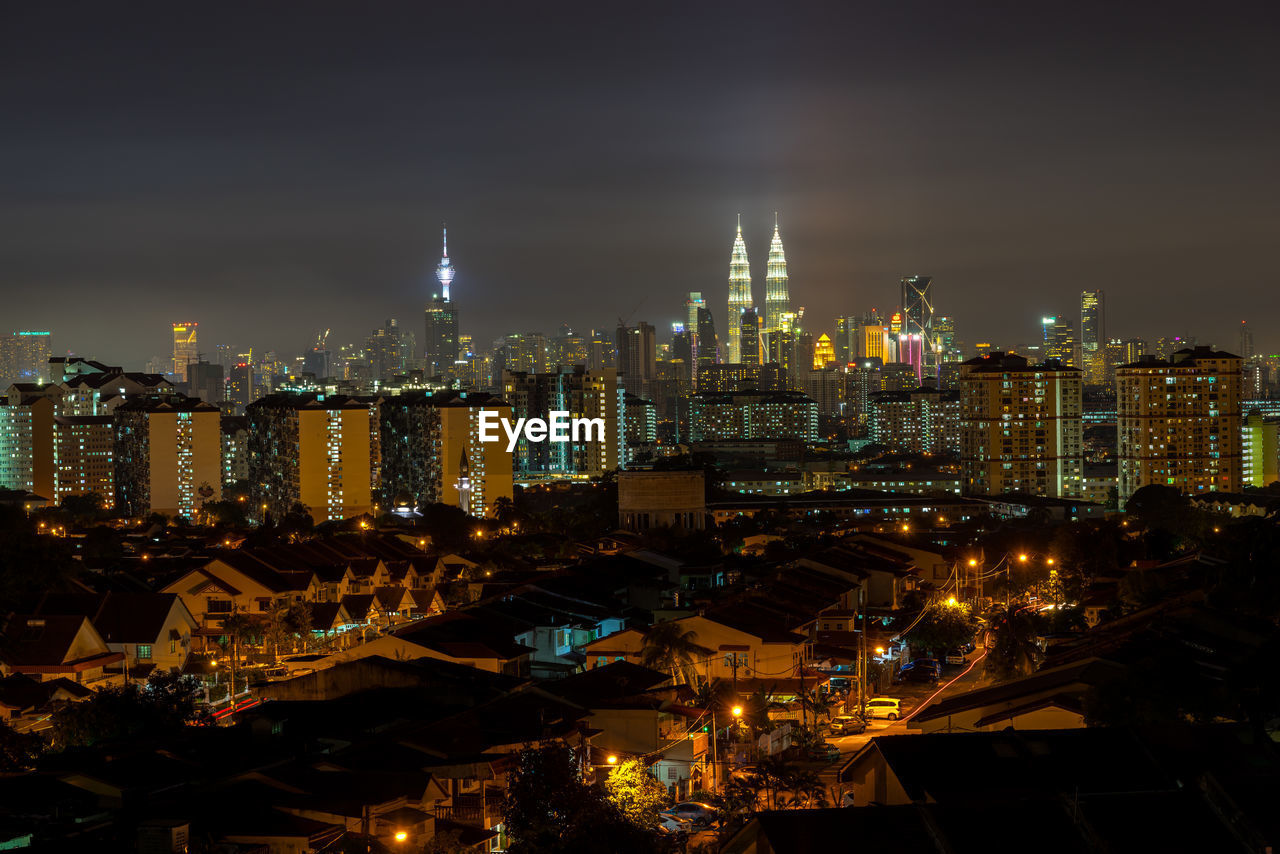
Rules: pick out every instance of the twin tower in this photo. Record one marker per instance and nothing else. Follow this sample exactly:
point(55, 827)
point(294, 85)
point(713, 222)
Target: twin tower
point(777, 300)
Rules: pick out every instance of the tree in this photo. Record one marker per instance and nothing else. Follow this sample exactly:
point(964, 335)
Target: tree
point(550, 809)
point(672, 648)
point(1016, 651)
point(945, 625)
point(18, 750)
point(636, 794)
point(165, 703)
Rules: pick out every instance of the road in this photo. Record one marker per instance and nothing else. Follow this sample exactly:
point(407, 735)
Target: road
point(915, 699)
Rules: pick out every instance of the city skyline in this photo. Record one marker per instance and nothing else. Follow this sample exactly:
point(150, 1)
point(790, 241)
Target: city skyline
point(295, 195)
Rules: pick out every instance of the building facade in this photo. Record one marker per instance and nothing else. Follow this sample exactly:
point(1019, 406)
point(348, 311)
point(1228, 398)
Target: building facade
point(1178, 422)
point(168, 456)
point(1020, 427)
point(753, 415)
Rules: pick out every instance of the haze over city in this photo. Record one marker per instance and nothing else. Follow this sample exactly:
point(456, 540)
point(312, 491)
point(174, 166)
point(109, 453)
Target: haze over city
point(274, 171)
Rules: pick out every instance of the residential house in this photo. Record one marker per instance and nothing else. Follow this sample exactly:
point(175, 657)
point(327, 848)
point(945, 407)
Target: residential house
point(57, 647)
point(152, 630)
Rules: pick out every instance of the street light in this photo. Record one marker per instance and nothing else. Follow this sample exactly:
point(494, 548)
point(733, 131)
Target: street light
point(1022, 558)
point(611, 759)
point(951, 602)
point(737, 711)
point(973, 561)
point(401, 836)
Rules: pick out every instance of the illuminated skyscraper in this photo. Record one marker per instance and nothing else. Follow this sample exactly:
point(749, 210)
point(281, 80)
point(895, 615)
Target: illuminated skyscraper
point(1059, 339)
point(777, 298)
point(24, 358)
point(441, 342)
point(185, 349)
point(917, 319)
point(1246, 341)
point(749, 337)
point(1093, 339)
point(739, 293)
point(823, 352)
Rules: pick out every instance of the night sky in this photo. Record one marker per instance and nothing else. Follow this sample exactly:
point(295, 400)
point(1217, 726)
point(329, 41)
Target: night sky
point(270, 169)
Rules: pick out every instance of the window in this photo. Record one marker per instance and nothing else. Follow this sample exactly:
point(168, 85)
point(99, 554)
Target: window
point(144, 652)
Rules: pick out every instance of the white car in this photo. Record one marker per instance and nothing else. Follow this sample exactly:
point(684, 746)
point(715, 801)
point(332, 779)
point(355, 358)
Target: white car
point(671, 824)
point(884, 707)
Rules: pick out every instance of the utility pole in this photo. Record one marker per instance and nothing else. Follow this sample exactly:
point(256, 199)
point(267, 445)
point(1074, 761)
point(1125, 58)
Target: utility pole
point(715, 761)
point(862, 652)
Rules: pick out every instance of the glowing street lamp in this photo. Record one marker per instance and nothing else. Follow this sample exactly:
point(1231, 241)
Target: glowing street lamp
point(401, 836)
point(611, 759)
point(1022, 558)
point(973, 561)
point(737, 711)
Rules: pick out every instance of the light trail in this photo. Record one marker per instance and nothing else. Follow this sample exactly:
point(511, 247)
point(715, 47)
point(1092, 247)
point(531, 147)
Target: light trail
point(935, 694)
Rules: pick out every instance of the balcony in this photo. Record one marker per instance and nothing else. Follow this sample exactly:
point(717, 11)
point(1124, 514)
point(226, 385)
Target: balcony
point(480, 809)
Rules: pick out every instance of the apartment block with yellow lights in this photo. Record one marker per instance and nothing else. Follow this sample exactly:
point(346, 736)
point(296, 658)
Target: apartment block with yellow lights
point(1178, 422)
point(1020, 427)
point(582, 393)
point(320, 451)
point(168, 456)
point(432, 451)
point(84, 457)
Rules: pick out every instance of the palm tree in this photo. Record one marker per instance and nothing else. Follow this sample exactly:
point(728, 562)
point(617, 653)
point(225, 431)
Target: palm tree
point(670, 647)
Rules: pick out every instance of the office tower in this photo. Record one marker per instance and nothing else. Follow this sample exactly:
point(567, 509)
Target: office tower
point(826, 386)
point(749, 337)
point(321, 451)
point(84, 457)
point(1093, 360)
point(432, 453)
point(777, 297)
point(568, 348)
point(389, 350)
point(1178, 422)
point(601, 352)
point(1059, 338)
point(235, 450)
point(859, 383)
point(1020, 427)
point(185, 348)
point(917, 319)
point(824, 353)
point(441, 342)
point(241, 388)
point(739, 294)
point(682, 355)
point(26, 439)
point(205, 381)
point(719, 416)
point(526, 352)
point(875, 343)
point(1246, 341)
point(318, 361)
point(944, 334)
point(920, 421)
point(168, 456)
point(708, 345)
point(692, 306)
point(1260, 450)
point(583, 394)
point(637, 357)
point(780, 350)
point(848, 341)
point(24, 358)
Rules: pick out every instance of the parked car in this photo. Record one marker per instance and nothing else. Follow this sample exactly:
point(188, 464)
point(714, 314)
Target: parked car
point(927, 664)
point(847, 725)
point(884, 707)
point(955, 656)
point(669, 824)
point(920, 675)
point(700, 815)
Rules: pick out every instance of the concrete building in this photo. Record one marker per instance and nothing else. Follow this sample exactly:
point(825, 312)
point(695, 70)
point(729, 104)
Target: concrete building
point(653, 499)
point(1178, 422)
point(84, 457)
point(1020, 427)
point(751, 415)
point(581, 392)
point(923, 421)
point(1260, 449)
point(321, 451)
point(168, 456)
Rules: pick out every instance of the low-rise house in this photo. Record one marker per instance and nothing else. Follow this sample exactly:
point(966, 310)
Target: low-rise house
point(57, 647)
point(152, 630)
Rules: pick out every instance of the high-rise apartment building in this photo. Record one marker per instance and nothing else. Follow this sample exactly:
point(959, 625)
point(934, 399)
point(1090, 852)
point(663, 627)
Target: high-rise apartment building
point(1093, 338)
point(777, 295)
point(848, 341)
point(84, 457)
point(26, 439)
point(168, 456)
point(1178, 422)
point(390, 351)
point(432, 453)
point(583, 394)
point(1020, 427)
point(321, 451)
point(1260, 450)
point(185, 348)
point(739, 294)
point(717, 416)
point(921, 421)
point(441, 341)
point(242, 388)
point(235, 450)
point(24, 358)
point(1246, 341)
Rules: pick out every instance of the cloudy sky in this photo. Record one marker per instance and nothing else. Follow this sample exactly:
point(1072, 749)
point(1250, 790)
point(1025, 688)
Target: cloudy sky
point(270, 169)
